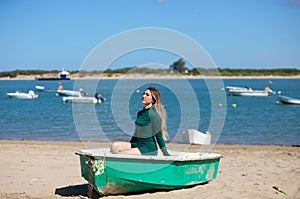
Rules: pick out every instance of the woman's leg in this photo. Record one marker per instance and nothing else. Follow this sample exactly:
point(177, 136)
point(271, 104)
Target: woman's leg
point(124, 148)
point(132, 151)
point(117, 147)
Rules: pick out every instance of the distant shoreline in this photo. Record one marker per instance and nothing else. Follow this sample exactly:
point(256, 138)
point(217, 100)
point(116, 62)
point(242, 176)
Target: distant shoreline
point(150, 76)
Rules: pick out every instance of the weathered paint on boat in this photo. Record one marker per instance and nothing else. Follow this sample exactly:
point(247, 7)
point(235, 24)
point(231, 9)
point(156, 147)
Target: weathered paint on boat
point(114, 174)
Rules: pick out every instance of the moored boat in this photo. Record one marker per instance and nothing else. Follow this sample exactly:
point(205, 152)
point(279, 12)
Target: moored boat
point(44, 89)
point(69, 93)
point(84, 99)
point(110, 174)
point(289, 100)
point(62, 75)
point(236, 88)
point(81, 100)
point(22, 95)
point(249, 92)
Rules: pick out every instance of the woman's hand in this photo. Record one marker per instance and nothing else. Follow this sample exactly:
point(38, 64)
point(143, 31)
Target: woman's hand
point(165, 151)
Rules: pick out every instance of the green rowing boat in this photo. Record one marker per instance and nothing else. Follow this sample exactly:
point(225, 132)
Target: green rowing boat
point(110, 174)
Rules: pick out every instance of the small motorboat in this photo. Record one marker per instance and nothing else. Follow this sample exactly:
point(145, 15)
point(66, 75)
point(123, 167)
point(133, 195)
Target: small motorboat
point(289, 100)
point(236, 88)
point(71, 99)
point(247, 91)
point(84, 99)
point(69, 93)
point(110, 174)
point(44, 89)
point(23, 95)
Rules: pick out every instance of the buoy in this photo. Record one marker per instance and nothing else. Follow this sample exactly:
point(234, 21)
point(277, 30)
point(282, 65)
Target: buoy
point(233, 105)
point(277, 102)
point(137, 90)
point(220, 105)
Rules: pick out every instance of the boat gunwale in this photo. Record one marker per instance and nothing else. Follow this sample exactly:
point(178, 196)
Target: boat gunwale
point(176, 157)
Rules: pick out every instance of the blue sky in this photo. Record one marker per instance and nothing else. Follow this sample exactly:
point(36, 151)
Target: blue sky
point(55, 34)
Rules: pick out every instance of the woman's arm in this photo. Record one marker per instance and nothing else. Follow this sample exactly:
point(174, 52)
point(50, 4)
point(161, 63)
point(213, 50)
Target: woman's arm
point(155, 122)
point(162, 144)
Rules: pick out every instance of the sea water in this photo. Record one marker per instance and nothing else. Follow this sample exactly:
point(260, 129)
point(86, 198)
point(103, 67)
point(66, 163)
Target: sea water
point(188, 103)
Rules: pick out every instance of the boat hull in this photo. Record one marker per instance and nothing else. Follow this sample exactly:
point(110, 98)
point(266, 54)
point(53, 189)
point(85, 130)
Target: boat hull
point(68, 93)
point(21, 95)
point(125, 175)
point(236, 88)
point(81, 100)
point(52, 79)
point(289, 100)
point(249, 93)
point(43, 89)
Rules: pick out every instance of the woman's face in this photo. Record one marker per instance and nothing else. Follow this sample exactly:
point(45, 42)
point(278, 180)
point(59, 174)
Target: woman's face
point(147, 97)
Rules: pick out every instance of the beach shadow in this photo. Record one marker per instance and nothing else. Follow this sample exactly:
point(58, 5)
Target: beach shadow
point(82, 189)
point(75, 190)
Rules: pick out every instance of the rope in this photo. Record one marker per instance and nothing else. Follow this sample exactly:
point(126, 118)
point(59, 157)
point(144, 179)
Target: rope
point(90, 178)
point(95, 167)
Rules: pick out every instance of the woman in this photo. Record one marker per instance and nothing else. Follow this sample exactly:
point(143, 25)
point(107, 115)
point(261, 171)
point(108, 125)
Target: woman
point(150, 128)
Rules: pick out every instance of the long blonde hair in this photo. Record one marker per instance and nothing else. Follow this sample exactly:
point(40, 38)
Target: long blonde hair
point(158, 107)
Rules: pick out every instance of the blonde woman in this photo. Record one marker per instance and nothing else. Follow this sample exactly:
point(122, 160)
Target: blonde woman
point(150, 128)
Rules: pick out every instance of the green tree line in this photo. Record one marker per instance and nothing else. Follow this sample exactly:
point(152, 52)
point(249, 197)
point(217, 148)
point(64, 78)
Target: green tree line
point(15, 73)
point(171, 70)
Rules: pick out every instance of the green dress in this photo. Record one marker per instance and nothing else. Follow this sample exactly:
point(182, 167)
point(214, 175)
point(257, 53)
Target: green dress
point(147, 133)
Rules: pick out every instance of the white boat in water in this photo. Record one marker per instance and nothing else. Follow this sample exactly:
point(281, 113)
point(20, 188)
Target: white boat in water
point(23, 95)
point(236, 88)
point(83, 99)
point(71, 99)
point(69, 93)
point(44, 89)
point(250, 92)
point(246, 91)
point(289, 100)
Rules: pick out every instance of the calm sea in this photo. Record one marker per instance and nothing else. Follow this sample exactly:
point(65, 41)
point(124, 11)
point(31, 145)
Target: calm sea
point(189, 104)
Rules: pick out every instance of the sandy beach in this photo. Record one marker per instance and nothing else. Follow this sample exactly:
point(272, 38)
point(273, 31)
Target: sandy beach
point(40, 169)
